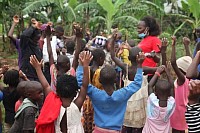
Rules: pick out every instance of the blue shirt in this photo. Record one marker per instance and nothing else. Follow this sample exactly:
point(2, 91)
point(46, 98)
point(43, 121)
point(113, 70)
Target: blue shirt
point(109, 110)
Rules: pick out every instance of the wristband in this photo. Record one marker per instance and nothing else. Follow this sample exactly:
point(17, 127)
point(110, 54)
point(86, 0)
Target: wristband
point(158, 74)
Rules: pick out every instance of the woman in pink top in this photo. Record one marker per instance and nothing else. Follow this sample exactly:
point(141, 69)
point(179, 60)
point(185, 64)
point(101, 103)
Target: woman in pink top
point(181, 85)
point(160, 104)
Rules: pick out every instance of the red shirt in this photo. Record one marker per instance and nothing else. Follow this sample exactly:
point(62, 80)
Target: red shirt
point(147, 45)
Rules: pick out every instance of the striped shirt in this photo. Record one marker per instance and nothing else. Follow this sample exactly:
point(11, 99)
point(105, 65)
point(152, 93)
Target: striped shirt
point(192, 116)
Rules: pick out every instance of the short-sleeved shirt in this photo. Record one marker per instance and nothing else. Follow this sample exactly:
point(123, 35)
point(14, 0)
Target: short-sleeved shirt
point(192, 116)
point(158, 118)
point(149, 44)
point(25, 121)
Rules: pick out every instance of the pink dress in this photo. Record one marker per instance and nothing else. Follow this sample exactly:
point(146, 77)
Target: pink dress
point(158, 118)
point(178, 121)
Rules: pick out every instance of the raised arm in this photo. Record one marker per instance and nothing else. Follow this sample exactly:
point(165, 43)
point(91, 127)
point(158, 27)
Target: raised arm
point(38, 65)
point(79, 35)
point(11, 31)
point(117, 61)
point(155, 78)
point(49, 48)
point(186, 42)
point(192, 71)
point(170, 80)
point(163, 50)
point(179, 74)
point(85, 59)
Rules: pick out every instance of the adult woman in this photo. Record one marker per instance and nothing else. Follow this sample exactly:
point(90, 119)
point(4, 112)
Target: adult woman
point(148, 30)
point(134, 119)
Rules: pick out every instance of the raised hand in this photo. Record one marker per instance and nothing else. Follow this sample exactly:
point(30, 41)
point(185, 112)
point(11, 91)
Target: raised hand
point(35, 63)
point(140, 58)
point(114, 34)
point(161, 69)
point(22, 75)
point(35, 23)
point(186, 41)
point(173, 40)
point(85, 57)
point(163, 47)
point(16, 19)
point(78, 30)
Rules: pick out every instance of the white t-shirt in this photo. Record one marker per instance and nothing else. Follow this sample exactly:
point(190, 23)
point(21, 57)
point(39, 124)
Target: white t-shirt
point(54, 43)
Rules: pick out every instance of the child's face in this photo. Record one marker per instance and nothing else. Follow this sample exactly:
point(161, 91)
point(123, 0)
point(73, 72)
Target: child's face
point(198, 32)
point(37, 95)
point(66, 102)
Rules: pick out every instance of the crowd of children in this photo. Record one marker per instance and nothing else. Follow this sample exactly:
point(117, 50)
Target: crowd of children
point(103, 84)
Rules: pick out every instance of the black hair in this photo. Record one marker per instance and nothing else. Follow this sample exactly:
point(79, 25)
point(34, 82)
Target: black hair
point(32, 86)
point(98, 54)
point(59, 29)
point(163, 87)
point(131, 42)
point(21, 88)
point(63, 62)
point(133, 52)
point(11, 78)
point(197, 47)
point(107, 75)
point(154, 28)
point(67, 86)
point(70, 45)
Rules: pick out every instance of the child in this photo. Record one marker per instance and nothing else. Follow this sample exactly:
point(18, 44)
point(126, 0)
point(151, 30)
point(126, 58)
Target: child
point(180, 67)
point(88, 112)
point(110, 105)
point(59, 118)
point(135, 115)
point(21, 91)
point(160, 105)
point(192, 115)
point(28, 111)
point(10, 96)
point(63, 62)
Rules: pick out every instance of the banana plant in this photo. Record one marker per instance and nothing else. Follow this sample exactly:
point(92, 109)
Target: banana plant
point(112, 10)
point(193, 14)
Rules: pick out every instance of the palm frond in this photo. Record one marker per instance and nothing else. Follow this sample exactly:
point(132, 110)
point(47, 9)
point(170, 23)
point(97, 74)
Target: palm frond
point(97, 18)
point(35, 6)
point(153, 4)
point(127, 18)
point(178, 15)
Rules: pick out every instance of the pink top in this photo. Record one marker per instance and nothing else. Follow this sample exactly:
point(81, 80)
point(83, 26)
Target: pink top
point(17, 104)
point(178, 121)
point(158, 117)
point(54, 71)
